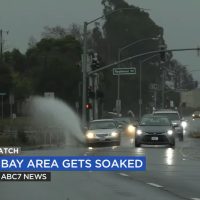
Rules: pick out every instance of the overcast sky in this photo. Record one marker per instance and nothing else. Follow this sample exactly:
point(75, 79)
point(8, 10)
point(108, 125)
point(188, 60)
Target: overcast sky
point(26, 18)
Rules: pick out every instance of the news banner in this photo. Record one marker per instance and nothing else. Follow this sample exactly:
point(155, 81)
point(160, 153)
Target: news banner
point(15, 167)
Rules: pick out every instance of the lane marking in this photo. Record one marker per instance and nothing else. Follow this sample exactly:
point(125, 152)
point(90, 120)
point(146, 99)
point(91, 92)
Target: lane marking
point(195, 198)
point(123, 174)
point(155, 185)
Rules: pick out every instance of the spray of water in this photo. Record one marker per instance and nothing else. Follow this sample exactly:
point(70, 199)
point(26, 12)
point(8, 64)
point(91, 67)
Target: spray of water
point(50, 112)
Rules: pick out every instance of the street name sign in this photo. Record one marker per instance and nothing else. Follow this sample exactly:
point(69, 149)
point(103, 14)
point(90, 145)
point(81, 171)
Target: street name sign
point(124, 71)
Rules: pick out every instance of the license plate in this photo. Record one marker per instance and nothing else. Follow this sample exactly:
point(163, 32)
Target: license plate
point(154, 138)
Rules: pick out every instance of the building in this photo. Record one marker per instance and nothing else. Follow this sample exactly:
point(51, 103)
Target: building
point(191, 98)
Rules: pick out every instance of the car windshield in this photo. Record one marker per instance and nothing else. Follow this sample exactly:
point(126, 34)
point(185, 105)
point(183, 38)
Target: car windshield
point(170, 116)
point(102, 125)
point(155, 121)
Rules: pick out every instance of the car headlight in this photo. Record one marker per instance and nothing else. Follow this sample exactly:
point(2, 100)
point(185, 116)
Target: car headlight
point(139, 132)
point(90, 135)
point(169, 132)
point(114, 134)
point(184, 124)
point(193, 115)
point(131, 129)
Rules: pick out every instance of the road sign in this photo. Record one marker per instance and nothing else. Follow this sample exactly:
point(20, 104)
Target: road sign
point(124, 71)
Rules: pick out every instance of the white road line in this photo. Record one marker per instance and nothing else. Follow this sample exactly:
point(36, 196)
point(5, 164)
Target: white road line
point(122, 174)
point(195, 198)
point(155, 185)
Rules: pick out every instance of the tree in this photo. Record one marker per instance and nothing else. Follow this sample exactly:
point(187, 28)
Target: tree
point(22, 86)
point(53, 61)
point(182, 78)
point(76, 31)
point(6, 83)
point(16, 60)
point(56, 32)
point(120, 29)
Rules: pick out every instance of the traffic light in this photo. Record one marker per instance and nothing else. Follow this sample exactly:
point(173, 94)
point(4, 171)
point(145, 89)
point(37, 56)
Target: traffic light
point(163, 53)
point(88, 106)
point(95, 61)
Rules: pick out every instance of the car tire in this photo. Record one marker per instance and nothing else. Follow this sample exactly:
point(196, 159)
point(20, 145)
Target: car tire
point(180, 137)
point(89, 145)
point(137, 144)
point(172, 144)
point(117, 143)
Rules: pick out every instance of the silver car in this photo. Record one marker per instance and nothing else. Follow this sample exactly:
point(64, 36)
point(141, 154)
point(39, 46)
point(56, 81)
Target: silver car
point(103, 131)
point(175, 118)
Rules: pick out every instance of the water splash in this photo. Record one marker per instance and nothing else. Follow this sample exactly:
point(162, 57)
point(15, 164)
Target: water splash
point(50, 112)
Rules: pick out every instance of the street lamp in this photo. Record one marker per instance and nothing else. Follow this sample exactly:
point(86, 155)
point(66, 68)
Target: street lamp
point(84, 59)
point(119, 58)
point(140, 83)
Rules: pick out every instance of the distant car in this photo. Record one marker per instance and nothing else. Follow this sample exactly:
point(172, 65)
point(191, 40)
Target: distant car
point(127, 125)
point(196, 115)
point(103, 131)
point(155, 130)
point(176, 120)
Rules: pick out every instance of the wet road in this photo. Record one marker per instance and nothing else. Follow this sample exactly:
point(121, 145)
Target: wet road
point(170, 174)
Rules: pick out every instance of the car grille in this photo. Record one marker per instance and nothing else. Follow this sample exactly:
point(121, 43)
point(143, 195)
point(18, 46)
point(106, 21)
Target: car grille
point(102, 135)
point(155, 133)
point(161, 138)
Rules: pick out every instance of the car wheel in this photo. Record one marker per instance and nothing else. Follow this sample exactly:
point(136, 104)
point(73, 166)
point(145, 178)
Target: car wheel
point(172, 145)
point(137, 144)
point(89, 145)
point(180, 137)
point(117, 143)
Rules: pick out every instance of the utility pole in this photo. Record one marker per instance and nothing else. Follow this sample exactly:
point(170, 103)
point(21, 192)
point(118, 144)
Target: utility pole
point(155, 98)
point(1, 43)
point(118, 101)
point(84, 59)
point(163, 47)
point(163, 88)
point(140, 92)
point(84, 67)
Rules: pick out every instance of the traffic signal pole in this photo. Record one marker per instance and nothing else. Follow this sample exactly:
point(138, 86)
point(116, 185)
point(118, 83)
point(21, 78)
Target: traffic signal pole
point(140, 55)
point(84, 71)
point(84, 60)
point(163, 88)
point(91, 114)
